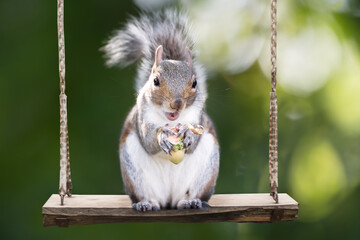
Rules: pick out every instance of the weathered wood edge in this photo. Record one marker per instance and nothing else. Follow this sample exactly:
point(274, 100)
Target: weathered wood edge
point(83, 216)
point(252, 215)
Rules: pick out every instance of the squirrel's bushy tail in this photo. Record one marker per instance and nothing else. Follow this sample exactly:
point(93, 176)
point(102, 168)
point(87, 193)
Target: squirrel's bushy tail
point(140, 37)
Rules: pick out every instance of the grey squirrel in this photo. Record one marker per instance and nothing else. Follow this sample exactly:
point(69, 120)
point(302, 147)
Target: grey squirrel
point(171, 91)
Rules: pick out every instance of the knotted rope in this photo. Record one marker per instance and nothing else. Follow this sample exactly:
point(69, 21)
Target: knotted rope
point(65, 186)
point(273, 120)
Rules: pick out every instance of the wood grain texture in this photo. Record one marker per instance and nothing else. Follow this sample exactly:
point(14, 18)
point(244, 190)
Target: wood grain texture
point(96, 209)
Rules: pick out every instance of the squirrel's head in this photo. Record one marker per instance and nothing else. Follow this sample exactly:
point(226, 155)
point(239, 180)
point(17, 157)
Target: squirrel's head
point(173, 84)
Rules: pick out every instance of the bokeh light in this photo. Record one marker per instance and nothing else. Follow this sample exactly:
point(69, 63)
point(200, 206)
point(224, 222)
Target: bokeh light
point(317, 177)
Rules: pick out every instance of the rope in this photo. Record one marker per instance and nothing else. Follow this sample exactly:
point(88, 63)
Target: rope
point(65, 185)
point(273, 119)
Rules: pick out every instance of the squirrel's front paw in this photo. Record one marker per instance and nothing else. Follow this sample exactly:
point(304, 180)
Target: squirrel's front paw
point(145, 206)
point(163, 141)
point(188, 136)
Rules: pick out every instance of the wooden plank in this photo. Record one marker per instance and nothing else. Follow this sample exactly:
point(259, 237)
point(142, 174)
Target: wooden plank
point(95, 209)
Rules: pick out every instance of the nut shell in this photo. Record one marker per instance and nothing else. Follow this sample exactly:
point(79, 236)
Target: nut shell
point(176, 156)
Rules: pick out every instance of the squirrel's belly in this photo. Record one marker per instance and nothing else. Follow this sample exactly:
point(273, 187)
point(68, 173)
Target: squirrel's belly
point(157, 179)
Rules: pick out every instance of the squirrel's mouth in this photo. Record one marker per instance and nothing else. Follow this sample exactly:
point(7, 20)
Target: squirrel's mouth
point(172, 116)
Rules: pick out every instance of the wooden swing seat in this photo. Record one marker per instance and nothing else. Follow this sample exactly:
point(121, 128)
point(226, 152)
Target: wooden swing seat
point(99, 209)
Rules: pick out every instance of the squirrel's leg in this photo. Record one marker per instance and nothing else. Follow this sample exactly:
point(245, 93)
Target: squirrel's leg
point(203, 187)
point(204, 160)
point(138, 188)
point(153, 138)
point(203, 184)
point(133, 161)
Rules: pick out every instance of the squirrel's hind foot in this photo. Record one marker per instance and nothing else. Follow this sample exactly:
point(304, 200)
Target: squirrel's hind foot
point(145, 207)
point(192, 204)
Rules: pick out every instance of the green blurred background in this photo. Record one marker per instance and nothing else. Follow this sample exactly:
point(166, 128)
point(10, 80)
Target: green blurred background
point(319, 112)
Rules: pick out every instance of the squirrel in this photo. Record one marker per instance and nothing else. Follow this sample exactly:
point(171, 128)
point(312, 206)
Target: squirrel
point(171, 91)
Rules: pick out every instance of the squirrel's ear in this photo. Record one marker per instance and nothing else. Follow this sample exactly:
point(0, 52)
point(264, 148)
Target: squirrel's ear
point(188, 56)
point(158, 55)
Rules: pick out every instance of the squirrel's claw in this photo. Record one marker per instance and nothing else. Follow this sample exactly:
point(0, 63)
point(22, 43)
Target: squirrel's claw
point(164, 145)
point(191, 203)
point(163, 141)
point(182, 130)
point(178, 126)
point(167, 131)
point(145, 207)
point(188, 135)
point(188, 140)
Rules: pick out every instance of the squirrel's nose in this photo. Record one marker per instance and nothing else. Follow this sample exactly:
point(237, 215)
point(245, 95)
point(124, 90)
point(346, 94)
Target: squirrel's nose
point(177, 104)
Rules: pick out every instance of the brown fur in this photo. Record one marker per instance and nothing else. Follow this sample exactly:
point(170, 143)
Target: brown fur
point(162, 93)
point(128, 127)
point(210, 127)
point(190, 93)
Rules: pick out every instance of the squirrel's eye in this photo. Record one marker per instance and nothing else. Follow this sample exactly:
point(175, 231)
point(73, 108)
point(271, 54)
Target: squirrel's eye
point(156, 81)
point(194, 83)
